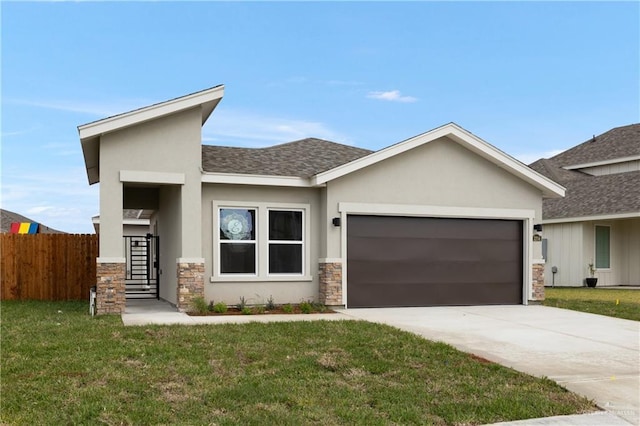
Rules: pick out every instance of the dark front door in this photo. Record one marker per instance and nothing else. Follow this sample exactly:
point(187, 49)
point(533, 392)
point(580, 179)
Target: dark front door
point(142, 277)
point(417, 261)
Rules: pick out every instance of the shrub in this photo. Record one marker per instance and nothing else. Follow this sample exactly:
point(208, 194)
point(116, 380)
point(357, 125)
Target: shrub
point(258, 309)
point(287, 309)
point(270, 304)
point(319, 307)
point(220, 308)
point(306, 307)
point(246, 311)
point(211, 306)
point(199, 305)
point(242, 304)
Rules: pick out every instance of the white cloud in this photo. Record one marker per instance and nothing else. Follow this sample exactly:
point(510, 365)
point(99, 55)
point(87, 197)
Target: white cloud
point(233, 127)
point(392, 96)
point(98, 109)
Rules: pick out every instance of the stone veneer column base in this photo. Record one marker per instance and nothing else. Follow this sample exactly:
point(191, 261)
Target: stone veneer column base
point(190, 282)
point(110, 287)
point(538, 282)
point(330, 282)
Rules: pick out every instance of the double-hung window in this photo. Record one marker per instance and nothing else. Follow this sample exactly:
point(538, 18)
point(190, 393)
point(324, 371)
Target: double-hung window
point(286, 245)
point(259, 241)
point(238, 251)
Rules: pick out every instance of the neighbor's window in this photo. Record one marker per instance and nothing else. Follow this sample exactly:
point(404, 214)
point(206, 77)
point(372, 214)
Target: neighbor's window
point(237, 241)
point(285, 241)
point(603, 247)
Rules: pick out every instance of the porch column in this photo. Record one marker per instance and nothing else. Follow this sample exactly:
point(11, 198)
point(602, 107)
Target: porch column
point(111, 264)
point(190, 266)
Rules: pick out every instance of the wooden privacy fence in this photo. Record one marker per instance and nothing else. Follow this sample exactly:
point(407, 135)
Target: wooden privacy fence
point(47, 266)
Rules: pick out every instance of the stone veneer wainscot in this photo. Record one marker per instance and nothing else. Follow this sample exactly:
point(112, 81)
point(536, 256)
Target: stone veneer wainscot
point(330, 277)
point(538, 281)
point(190, 282)
point(110, 287)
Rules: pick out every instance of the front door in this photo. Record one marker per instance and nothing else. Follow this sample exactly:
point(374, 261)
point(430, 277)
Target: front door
point(142, 277)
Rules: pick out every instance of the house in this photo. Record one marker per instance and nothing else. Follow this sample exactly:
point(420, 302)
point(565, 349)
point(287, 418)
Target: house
point(442, 218)
point(598, 222)
point(9, 219)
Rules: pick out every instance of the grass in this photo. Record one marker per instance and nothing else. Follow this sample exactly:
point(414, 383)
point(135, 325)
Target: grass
point(61, 366)
point(614, 303)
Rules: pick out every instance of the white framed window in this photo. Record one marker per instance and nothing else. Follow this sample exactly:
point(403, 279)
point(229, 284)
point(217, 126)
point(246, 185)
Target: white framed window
point(603, 246)
point(237, 241)
point(261, 241)
point(286, 241)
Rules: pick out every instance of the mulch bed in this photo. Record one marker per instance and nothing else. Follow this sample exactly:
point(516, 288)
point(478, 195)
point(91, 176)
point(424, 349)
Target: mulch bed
point(278, 310)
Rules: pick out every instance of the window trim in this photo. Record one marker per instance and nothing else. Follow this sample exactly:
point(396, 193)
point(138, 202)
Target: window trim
point(301, 243)
point(262, 242)
point(595, 247)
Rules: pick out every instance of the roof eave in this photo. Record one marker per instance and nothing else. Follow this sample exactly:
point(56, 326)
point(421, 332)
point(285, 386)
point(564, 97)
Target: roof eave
point(90, 133)
point(610, 216)
point(549, 188)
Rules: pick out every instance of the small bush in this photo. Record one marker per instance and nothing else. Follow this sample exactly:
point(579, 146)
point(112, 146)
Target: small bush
point(242, 304)
point(270, 304)
point(199, 305)
point(211, 306)
point(246, 311)
point(306, 307)
point(220, 308)
point(287, 309)
point(319, 307)
point(258, 309)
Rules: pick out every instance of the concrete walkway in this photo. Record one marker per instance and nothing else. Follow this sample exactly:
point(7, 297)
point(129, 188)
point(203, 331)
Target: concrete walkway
point(592, 355)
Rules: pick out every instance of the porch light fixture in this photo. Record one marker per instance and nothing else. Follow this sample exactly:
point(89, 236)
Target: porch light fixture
point(336, 221)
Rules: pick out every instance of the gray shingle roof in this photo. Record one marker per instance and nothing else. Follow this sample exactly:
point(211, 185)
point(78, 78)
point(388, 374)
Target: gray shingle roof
point(303, 158)
point(589, 195)
point(619, 142)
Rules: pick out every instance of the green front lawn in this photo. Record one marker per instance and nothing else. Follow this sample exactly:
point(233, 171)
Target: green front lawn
point(614, 303)
point(60, 366)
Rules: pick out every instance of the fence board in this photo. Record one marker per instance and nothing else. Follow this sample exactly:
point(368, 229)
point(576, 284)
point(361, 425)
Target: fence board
point(47, 266)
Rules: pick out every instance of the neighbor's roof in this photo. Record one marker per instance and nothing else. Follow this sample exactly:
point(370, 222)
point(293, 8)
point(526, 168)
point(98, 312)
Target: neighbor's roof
point(587, 195)
point(617, 143)
point(8, 217)
point(303, 158)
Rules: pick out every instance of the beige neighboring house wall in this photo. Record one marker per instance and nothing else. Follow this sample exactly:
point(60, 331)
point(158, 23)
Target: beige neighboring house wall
point(571, 248)
point(602, 178)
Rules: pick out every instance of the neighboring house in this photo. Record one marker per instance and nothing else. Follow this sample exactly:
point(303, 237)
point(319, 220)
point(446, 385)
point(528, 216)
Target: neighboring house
point(8, 217)
point(598, 222)
point(442, 218)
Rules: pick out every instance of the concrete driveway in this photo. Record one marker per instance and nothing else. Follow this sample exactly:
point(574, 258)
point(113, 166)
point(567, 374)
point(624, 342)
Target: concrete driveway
point(592, 355)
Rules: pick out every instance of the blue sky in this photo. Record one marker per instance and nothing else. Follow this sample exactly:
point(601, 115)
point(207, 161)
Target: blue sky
point(532, 78)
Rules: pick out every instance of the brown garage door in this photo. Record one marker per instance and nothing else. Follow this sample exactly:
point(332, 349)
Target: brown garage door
point(416, 261)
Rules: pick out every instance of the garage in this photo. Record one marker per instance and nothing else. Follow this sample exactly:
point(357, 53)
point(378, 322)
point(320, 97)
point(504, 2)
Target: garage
point(395, 261)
